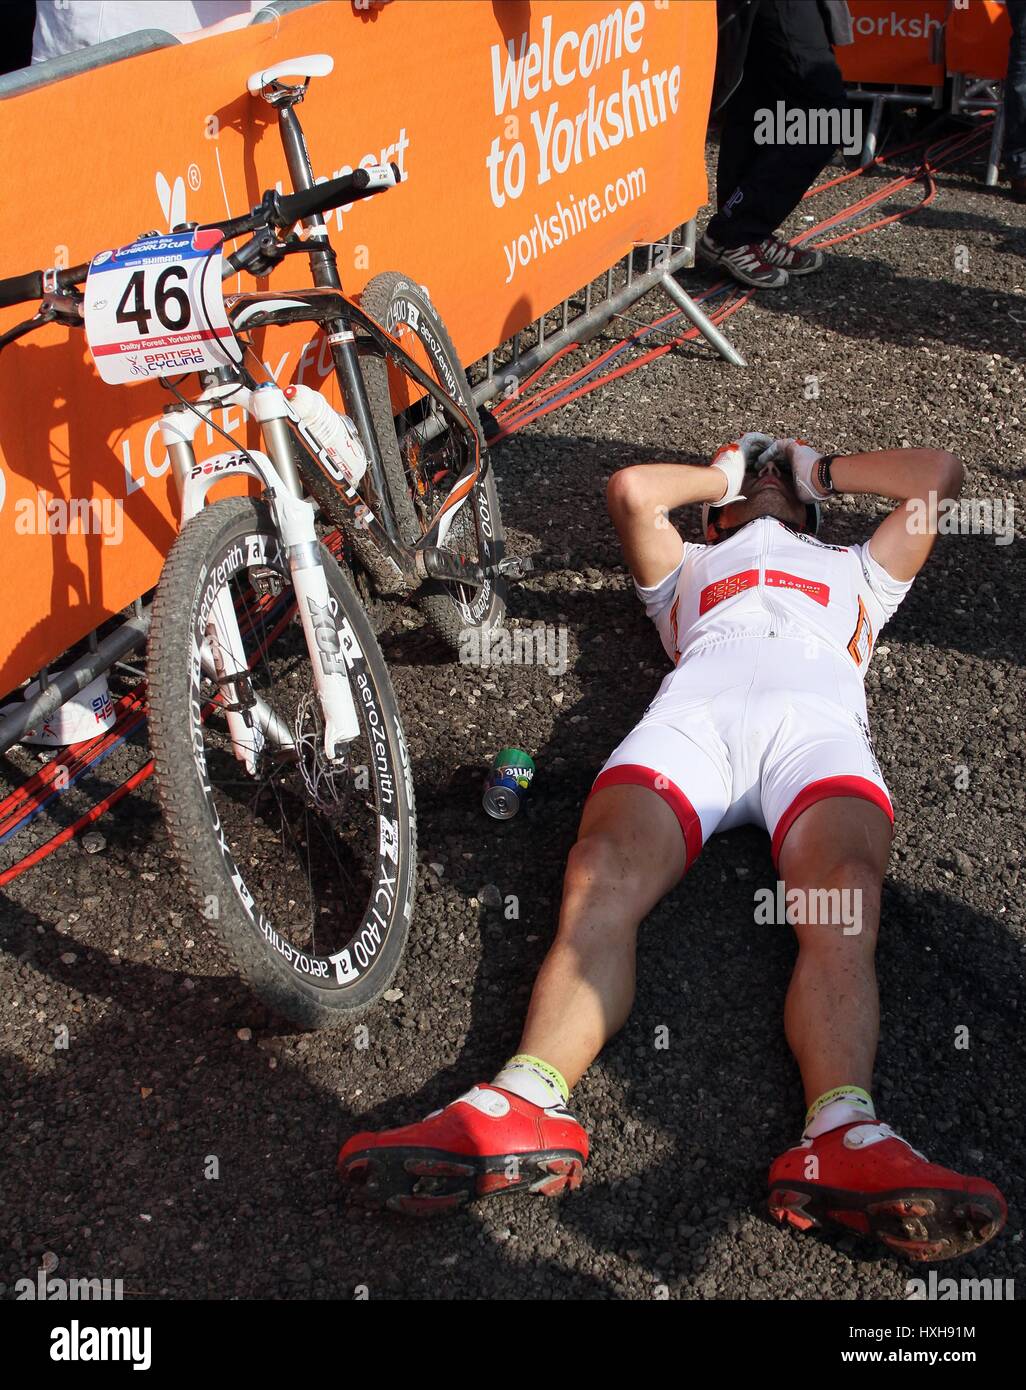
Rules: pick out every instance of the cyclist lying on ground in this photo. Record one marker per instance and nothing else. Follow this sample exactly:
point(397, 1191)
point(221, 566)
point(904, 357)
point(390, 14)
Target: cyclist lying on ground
point(762, 720)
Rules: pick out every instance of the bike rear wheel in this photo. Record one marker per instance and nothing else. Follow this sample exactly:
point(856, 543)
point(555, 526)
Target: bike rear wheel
point(305, 870)
point(420, 474)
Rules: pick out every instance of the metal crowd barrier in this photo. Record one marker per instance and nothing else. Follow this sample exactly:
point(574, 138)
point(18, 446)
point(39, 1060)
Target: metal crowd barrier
point(962, 93)
point(880, 96)
point(970, 95)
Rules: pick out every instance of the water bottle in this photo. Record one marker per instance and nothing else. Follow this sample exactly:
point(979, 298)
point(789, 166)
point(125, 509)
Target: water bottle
point(337, 438)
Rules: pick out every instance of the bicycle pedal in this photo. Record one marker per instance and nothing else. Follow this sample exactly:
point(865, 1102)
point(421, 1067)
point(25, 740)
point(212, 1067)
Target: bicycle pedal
point(514, 566)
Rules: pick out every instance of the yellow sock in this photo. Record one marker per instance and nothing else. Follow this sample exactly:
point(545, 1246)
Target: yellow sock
point(839, 1106)
point(533, 1080)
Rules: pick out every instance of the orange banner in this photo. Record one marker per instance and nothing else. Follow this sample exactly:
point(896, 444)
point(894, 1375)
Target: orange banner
point(894, 42)
point(978, 39)
point(540, 142)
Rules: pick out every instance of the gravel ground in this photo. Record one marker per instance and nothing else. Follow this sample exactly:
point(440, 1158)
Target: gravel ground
point(106, 1144)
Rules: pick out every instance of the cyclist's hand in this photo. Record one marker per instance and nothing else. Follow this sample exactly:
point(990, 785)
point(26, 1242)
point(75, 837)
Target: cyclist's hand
point(803, 460)
point(731, 460)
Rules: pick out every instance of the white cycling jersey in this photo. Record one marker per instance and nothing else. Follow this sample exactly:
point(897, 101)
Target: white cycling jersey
point(764, 713)
point(769, 581)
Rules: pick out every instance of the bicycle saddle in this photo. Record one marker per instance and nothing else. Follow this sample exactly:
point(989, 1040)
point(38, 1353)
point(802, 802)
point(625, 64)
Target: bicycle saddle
point(312, 65)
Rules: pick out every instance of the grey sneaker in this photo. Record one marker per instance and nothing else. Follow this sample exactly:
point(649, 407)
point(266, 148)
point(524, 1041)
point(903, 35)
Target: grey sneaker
point(748, 264)
point(794, 259)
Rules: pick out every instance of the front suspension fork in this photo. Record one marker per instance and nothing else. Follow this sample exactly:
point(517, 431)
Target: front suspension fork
point(332, 646)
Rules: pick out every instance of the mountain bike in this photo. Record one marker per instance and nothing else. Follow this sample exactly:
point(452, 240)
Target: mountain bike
point(281, 764)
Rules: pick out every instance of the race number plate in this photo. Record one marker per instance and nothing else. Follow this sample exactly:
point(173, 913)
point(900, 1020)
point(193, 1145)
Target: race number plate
point(155, 308)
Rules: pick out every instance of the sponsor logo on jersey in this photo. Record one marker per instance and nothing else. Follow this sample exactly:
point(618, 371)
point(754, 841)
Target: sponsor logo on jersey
point(723, 589)
point(780, 579)
point(735, 584)
point(860, 643)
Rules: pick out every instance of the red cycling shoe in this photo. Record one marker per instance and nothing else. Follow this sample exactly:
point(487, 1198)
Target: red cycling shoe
point(869, 1180)
point(487, 1142)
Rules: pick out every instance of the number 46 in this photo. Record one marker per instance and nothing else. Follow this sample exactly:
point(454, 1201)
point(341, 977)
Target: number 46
point(166, 296)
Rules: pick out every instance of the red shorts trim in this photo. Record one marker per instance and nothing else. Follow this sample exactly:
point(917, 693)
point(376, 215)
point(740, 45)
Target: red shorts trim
point(822, 790)
point(637, 775)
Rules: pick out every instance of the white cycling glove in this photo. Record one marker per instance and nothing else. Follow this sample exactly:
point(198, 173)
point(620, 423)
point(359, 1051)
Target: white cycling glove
point(732, 460)
point(809, 468)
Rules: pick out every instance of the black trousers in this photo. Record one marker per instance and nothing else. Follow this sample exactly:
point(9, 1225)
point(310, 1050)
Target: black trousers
point(788, 59)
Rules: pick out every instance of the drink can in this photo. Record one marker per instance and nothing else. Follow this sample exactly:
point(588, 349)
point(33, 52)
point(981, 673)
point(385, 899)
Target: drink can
point(509, 779)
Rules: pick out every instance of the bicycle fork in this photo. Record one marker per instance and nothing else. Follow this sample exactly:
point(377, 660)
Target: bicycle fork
point(332, 644)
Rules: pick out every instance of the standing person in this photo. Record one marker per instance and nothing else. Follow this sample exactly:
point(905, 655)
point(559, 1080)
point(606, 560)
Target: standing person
point(762, 720)
point(783, 51)
point(1015, 101)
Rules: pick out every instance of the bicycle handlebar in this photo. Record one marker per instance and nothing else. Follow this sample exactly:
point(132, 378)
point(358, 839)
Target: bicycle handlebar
point(334, 193)
point(275, 210)
point(19, 288)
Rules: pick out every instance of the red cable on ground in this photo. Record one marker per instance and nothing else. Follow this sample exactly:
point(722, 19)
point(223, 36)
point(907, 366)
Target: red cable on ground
point(519, 406)
point(509, 402)
point(94, 813)
point(531, 409)
point(19, 803)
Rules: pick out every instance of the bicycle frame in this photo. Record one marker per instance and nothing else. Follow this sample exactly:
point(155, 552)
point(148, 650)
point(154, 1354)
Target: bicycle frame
point(325, 306)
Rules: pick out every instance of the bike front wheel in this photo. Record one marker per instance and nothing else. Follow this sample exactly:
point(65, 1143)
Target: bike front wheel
point(304, 868)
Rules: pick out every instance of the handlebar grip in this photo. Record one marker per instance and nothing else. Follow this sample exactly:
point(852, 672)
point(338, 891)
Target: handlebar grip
point(335, 193)
point(74, 275)
point(19, 288)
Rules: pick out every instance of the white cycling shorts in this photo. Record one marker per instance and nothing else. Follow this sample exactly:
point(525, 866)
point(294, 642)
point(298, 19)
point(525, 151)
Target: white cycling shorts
point(751, 731)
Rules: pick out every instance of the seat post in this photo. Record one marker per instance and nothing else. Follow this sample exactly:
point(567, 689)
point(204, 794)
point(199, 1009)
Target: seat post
point(297, 158)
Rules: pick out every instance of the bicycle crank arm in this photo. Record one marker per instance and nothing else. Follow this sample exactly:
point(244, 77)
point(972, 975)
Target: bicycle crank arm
point(435, 563)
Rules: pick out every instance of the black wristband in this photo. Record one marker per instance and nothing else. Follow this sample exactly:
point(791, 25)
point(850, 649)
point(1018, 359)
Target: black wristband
point(823, 479)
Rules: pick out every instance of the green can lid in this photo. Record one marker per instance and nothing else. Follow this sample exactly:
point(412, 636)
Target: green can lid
point(513, 757)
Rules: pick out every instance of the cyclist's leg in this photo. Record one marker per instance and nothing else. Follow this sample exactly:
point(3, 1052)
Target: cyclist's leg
point(637, 832)
point(828, 812)
point(836, 853)
point(628, 855)
point(849, 1170)
point(658, 796)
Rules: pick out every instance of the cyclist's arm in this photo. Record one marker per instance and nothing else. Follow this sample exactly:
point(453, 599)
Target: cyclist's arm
point(920, 479)
point(640, 500)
